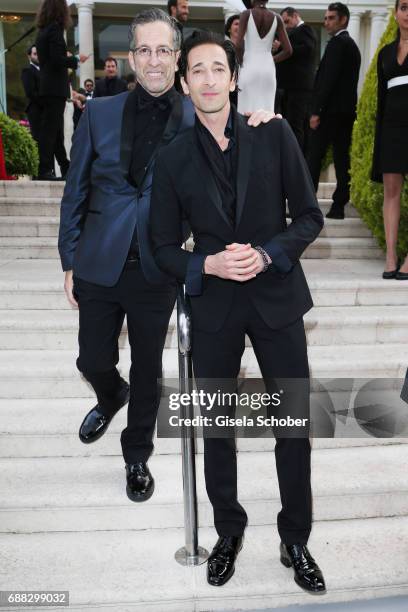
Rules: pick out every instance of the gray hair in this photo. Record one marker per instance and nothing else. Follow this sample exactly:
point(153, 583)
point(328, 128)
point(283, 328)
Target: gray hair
point(152, 15)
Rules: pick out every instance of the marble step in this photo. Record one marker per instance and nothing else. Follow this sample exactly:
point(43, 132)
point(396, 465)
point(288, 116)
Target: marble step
point(45, 247)
point(41, 226)
point(24, 188)
point(58, 329)
point(50, 373)
point(49, 428)
point(30, 284)
point(77, 494)
point(138, 572)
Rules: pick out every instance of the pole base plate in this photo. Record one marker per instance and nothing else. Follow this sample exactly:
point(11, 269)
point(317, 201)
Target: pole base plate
point(184, 558)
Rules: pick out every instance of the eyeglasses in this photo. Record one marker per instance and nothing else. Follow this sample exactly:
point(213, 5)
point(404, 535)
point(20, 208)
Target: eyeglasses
point(162, 53)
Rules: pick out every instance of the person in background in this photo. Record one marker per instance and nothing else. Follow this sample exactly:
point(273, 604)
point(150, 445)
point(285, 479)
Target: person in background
point(111, 84)
point(333, 108)
point(231, 31)
point(52, 20)
point(30, 77)
point(178, 9)
point(89, 89)
point(390, 159)
point(231, 28)
point(295, 76)
point(257, 78)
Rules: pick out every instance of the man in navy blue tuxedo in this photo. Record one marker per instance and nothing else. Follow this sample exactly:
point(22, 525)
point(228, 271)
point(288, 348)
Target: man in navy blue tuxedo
point(104, 240)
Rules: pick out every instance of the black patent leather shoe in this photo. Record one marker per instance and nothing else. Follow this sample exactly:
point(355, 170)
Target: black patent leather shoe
point(401, 275)
point(335, 212)
point(139, 482)
point(221, 562)
point(307, 573)
point(95, 423)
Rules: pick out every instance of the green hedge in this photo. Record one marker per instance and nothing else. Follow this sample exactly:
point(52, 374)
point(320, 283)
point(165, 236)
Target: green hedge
point(20, 149)
point(366, 195)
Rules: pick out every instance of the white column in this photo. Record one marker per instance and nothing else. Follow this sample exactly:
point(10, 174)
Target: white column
point(378, 24)
point(86, 41)
point(354, 25)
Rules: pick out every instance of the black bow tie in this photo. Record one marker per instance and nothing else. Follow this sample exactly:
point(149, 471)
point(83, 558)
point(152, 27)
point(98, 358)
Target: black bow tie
point(162, 104)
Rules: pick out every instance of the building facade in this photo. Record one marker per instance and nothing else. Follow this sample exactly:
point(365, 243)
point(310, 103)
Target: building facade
point(100, 29)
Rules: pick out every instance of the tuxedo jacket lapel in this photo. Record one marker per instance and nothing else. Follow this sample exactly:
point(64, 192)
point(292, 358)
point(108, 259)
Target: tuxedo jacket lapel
point(245, 138)
point(127, 133)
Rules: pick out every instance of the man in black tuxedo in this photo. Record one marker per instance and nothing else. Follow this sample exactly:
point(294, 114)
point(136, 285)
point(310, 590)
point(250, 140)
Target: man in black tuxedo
point(111, 84)
point(295, 76)
point(30, 77)
point(334, 102)
point(105, 247)
point(244, 277)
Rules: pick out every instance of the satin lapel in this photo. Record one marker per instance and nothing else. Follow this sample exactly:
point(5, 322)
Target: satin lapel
point(206, 176)
point(170, 131)
point(245, 138)
point(127, 134)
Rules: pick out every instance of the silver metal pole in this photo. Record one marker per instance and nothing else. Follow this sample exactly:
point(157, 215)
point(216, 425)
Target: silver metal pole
point(191, 553)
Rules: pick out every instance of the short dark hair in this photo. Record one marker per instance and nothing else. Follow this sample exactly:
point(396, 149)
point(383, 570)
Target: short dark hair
point(151, 16)
point(290, 10)
point(30, 48)
point(170, 4)
point(110, 59)
point(341, 9)
point(202, 37)
point(88, 81)
point(228, 24)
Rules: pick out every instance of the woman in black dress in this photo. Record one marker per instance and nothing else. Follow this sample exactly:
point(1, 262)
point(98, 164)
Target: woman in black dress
point(390, 161)
point(52, 19)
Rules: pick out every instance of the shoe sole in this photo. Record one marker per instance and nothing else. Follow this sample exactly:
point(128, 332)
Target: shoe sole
point(139, 498)
point(288, 564)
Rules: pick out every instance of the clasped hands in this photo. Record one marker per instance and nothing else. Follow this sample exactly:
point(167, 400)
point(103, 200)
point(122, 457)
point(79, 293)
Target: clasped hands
point(239, 262)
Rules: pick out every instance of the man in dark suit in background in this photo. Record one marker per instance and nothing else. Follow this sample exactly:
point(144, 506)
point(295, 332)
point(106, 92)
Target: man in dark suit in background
point(30, 77)
point(334, 102)
point(180, 11)
point(295, 76)
point(244, 277)
point(111, 84)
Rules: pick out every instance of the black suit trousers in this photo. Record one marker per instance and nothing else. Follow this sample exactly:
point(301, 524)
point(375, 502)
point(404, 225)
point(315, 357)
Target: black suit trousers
point(101, 314)
point(335, 130)
point(295, 104)
point(280, 353)
point(51, 138)
point(34, 119)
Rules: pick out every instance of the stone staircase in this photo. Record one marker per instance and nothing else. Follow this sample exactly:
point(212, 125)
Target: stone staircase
point(65, 521)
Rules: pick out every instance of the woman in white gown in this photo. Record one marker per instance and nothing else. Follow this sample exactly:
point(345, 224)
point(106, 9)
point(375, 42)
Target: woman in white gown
point(257, 77)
